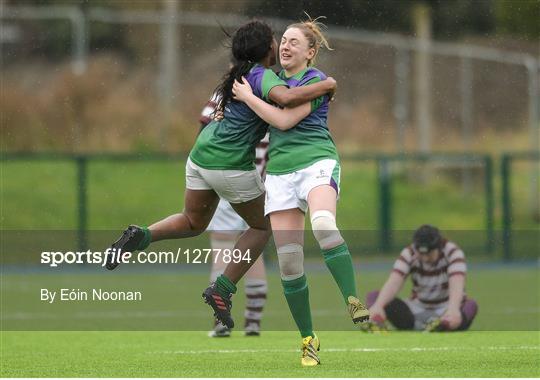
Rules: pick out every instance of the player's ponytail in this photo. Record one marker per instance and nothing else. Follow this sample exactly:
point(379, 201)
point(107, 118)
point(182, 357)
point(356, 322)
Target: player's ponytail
point(250, 44)
point(312, 30)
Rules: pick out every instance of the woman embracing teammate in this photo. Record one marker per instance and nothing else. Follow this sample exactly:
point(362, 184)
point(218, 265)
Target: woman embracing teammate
point(303, 173)
point(221, 163)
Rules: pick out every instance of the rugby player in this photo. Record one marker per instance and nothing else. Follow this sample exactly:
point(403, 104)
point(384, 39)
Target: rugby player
point(438, 301)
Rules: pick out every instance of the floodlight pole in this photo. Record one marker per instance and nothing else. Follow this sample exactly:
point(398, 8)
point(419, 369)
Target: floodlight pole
point(168, 73)
point(422, 20)
point(401, 103)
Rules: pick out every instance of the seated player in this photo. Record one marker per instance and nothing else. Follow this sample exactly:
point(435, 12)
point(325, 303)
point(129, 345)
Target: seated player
point(438, 301)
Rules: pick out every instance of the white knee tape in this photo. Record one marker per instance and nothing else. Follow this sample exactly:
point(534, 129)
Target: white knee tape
point(325, 230)
point(291, 261)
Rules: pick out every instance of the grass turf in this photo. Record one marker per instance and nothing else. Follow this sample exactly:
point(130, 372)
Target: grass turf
point(506, 297)
point(172, 301)
point(120, 193)
point(274, 354)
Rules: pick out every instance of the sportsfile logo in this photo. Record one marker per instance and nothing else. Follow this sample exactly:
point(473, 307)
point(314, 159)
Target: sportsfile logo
point(182, 256)
point(54, 259)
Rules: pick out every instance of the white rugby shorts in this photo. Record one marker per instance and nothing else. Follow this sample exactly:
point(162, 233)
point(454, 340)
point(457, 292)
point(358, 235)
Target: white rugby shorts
point(226, 219)
point(288, 191)
point(423, 313)
point(235, 186)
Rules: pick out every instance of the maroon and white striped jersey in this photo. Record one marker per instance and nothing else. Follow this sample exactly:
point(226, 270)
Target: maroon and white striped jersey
point(261, 152)
point(206, 113)
point(430, 280)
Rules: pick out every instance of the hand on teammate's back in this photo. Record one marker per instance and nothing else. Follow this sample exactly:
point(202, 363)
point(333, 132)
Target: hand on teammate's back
point(241, 90)
point(218, 115)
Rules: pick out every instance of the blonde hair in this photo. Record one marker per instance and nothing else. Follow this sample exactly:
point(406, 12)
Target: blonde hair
point(311, 28)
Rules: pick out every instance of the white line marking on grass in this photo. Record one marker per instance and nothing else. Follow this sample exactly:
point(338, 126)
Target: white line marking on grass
point(167, 314)
point(365, 349)
point(112, 314)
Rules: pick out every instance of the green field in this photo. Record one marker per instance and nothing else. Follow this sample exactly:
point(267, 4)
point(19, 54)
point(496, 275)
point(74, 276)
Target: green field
point(274, 354)
point(121, 192)
point(508, 297)
point(165, 334)
point(504, 340)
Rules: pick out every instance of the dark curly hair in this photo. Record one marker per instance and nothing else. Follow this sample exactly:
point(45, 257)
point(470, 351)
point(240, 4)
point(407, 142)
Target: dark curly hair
point(250, 44)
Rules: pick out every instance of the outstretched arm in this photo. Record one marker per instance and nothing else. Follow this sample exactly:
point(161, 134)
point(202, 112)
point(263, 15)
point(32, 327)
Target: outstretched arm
point(391, 287)
point(292, 97)
point(280, 118)
point(456, 286)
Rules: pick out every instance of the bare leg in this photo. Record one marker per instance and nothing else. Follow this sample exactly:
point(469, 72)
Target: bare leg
point(255, 280)
point(257, 271)
point(322, 198)
point(253, 239)
point(288, 227)
point(199, 207)
point(220, 241)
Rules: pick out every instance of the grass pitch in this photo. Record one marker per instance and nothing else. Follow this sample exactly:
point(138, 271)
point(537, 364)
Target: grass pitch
point(483, 352)
point(508, 297)
point(274, 354)
point(120, 193)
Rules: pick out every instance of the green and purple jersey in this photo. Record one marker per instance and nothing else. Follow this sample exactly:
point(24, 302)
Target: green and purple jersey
point(307, 142)
point(229, 144)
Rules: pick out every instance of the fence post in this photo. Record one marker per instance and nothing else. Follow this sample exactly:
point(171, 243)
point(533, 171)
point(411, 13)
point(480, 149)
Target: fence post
point(385, 204)
point(506, 207)
point(488, 178)
point(466, 90)
point(534, 133)
point(82, 200)
point(79, 38)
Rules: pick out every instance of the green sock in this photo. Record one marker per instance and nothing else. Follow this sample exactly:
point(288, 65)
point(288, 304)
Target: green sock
point(224, 286)
point(297, 295)
point(145, 242)
point(339, 261)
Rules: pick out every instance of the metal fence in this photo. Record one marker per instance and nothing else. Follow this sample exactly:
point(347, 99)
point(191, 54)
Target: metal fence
point(506, 198)
point(465, 68)
point(385, 165)
point(401, 48)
